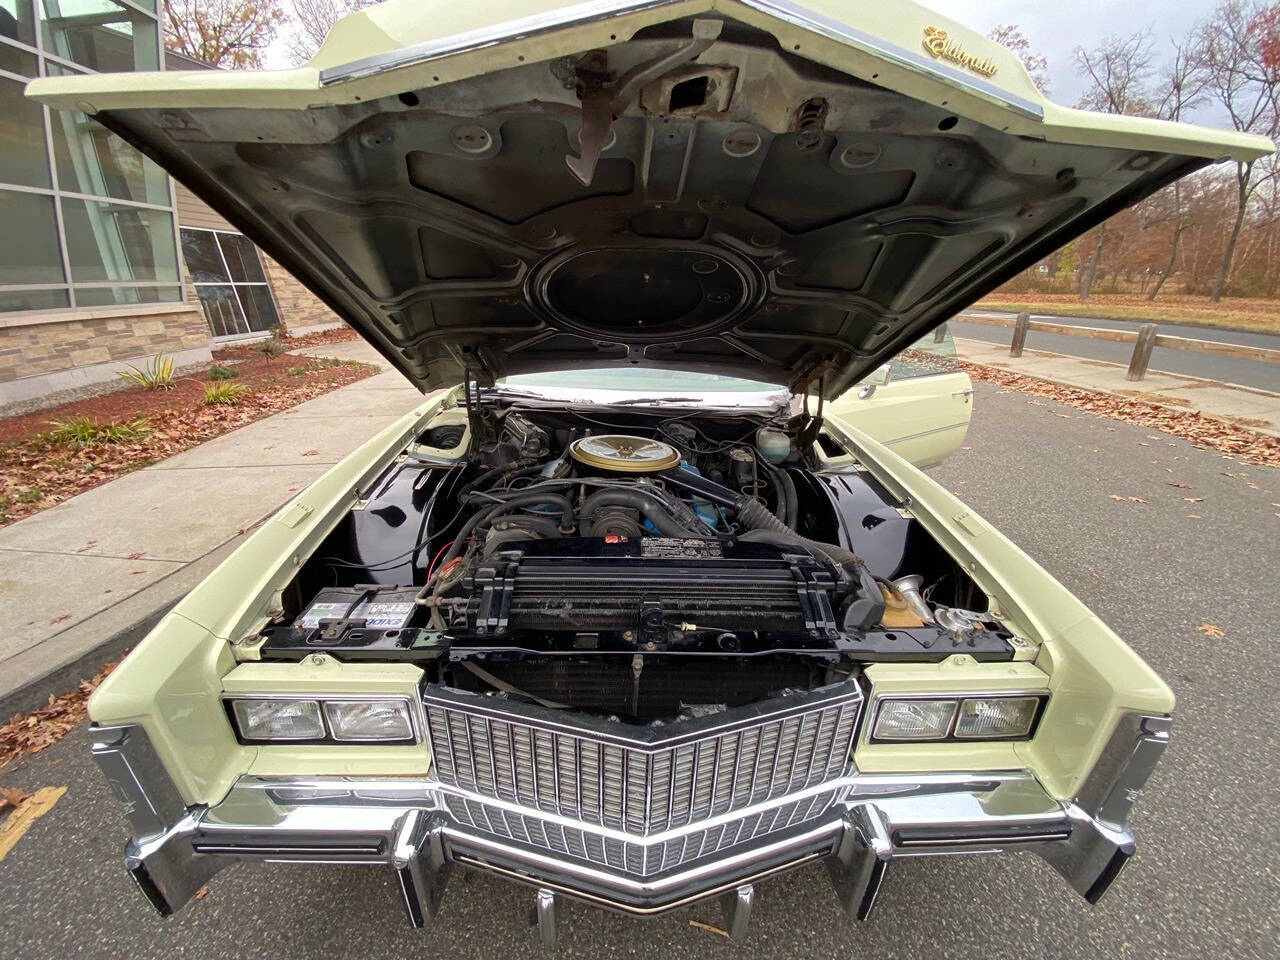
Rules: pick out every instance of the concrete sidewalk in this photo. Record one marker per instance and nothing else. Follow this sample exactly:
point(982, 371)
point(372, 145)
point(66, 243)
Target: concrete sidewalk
point(87, 578)
point(1247, 406)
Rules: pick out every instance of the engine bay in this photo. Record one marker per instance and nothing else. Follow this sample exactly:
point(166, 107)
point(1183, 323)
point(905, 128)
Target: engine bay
point(642, 562)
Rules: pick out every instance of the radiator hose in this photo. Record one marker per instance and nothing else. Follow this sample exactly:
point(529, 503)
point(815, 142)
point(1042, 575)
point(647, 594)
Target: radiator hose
point(866, 606)
point(649, 506)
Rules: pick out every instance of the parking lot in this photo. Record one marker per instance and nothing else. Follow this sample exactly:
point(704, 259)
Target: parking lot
point(1187, 576)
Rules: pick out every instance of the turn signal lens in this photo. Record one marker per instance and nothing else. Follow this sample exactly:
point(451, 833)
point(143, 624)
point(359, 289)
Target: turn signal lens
point(914, 719)
point(279, 719)
point(369, 719)
point(996, 718)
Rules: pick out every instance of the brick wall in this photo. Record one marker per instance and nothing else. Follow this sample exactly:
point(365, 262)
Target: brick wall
point(49, 358)
point(35, 348)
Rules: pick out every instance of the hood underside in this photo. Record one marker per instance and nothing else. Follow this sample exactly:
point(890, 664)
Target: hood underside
point(752, 211)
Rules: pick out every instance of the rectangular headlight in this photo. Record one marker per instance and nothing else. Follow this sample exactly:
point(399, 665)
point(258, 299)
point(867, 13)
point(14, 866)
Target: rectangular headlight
point(369, 719)
point(996, 718)
point(266, 719)
point(925, 719)
point(914, 719)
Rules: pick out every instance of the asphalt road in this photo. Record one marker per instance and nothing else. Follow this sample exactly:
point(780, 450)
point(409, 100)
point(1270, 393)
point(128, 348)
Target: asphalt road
point(1251, 373)
point(1204, 884)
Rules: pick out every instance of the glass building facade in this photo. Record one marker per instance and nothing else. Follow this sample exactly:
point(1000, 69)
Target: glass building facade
point(85, 219)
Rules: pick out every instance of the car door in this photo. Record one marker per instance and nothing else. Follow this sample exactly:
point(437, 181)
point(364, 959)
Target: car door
point(918, 405)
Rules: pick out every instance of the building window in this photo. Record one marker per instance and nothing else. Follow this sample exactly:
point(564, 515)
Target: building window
point(230, 282)
point(89, 220)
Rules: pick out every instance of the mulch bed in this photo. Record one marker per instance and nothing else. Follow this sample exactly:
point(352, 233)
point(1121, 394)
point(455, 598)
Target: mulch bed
point(323, 338)
point(39, 472)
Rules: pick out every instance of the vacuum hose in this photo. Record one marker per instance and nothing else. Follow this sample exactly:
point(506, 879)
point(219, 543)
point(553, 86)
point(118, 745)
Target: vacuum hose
point(524, 499)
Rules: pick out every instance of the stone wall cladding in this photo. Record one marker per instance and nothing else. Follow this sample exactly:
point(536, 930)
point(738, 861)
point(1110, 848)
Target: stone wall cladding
point(298, 306)
point(32, 349)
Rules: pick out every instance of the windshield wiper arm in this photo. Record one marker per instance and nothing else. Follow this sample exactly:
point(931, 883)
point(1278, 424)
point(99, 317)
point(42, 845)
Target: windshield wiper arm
point(633, 401)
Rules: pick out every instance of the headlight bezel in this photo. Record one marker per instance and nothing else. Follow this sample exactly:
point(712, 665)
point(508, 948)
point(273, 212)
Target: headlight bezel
point(957, 700)
point(411, 706)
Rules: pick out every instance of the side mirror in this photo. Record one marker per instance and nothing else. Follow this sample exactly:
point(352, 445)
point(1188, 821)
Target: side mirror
point(879, 376)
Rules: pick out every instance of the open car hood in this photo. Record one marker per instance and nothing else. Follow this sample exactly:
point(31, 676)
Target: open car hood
point(745, 187)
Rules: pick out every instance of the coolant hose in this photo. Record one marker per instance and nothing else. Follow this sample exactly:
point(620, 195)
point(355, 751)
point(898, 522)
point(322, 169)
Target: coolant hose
point(865, 607)
point(788, 504)
point(650, 506)
point(756, 516)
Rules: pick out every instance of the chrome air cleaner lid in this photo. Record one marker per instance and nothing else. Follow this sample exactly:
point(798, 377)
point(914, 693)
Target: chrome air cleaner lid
point(625, 454)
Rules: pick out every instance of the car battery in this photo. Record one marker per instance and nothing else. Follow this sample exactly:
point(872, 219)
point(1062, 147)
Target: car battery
point(367, 608)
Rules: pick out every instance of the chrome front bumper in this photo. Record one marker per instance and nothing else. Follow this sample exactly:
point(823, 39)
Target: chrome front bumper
point(407, 825)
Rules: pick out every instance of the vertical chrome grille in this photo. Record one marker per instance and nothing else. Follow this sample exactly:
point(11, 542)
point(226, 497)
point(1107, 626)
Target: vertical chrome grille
point(637, 858)
point(658, 779)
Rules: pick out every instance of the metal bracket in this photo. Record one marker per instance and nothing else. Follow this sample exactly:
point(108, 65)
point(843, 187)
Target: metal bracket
point(737, 906)
point(422, 867)
point(602, 105)
point(860, 861)
point(496, 583)
point(547, 906)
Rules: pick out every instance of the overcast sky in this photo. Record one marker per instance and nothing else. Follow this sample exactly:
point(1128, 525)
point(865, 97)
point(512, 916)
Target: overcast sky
point(1056, 27)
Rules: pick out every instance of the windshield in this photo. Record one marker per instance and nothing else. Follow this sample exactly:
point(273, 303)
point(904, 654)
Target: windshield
point(623, 384)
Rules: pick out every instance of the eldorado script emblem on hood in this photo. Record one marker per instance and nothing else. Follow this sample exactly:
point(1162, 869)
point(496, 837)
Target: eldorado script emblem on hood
point(941, 47)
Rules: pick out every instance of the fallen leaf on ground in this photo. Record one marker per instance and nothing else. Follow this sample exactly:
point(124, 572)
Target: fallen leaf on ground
point(1194, 499)
point(12, 796)
point(1180, 486)
point(202, 892)
point(1212, 631)
point(135, 556)
point(59, 618)
point(27, 733)
point(1203, 430)
point(1116, 496)
point(310, 453)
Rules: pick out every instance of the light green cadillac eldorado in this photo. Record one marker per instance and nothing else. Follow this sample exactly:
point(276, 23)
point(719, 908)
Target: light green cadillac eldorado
point(657, 604)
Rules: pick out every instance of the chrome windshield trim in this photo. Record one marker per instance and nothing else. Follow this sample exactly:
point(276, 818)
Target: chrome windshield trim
point(595, 11)
point(521, 28)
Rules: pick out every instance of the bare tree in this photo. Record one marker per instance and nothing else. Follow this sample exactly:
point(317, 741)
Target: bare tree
point(1243, 77)
point(1010, 35)
point(1183, 82)
point(311, 22)
point(222, 33)
point(1116, 70)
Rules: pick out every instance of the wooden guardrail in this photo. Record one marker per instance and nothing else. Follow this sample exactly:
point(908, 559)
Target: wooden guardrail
point(1144, 340)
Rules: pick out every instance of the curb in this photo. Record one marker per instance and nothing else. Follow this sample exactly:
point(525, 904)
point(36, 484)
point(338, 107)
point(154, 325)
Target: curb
point(1152, 399)
point(64, 678)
